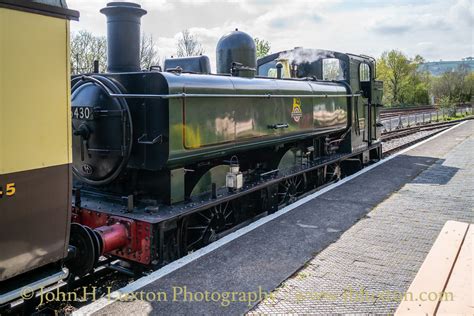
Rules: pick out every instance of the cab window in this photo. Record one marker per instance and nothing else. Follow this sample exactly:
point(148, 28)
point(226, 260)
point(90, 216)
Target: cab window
point(364, 72)
point(270, 69)
point(332, 69)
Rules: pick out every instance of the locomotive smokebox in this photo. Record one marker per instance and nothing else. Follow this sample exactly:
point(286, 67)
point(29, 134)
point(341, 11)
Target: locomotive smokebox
point(236, 51)
point(123, 36)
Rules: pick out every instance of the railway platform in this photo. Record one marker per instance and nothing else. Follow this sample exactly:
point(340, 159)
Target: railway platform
point(368, 233)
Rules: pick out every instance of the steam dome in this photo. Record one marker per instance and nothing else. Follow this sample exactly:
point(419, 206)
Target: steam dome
point(238, 47)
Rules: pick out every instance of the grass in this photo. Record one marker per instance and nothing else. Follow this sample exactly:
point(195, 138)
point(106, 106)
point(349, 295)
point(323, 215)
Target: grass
point(448, 117)
point(457, 116)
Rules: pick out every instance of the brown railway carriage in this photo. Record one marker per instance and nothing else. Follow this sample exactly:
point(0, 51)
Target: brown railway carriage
point(35, 150)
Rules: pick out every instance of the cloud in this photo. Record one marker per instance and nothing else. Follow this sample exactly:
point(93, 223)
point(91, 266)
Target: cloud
point(462, 12)
point(283, 13)
point(356, 26)
point(391, 29)
point(401, 22)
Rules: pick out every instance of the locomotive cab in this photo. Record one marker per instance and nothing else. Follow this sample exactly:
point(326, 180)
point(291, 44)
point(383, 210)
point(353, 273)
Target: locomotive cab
point(356, 72)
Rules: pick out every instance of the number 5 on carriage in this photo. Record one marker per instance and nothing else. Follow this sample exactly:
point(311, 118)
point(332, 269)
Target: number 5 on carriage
point(10, 190)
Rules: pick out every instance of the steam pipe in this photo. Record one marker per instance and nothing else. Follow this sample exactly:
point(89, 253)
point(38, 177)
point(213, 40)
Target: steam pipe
point(279, 67)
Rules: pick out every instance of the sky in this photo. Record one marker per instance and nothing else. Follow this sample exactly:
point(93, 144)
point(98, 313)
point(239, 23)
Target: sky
point(436, 30)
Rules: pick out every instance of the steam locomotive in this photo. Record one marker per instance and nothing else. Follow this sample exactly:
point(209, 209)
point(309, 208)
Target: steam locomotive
point(166, 161)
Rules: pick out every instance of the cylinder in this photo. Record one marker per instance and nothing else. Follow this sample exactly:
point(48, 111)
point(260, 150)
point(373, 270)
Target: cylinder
point(123, 36)
point(235, 47)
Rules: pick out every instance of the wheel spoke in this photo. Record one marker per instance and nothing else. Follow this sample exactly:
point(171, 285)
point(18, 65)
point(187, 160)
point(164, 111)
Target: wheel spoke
point(208, 219)
point(228, 214)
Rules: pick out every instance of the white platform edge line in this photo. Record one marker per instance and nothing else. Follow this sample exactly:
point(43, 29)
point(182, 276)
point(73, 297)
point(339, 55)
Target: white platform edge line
point(175, 265)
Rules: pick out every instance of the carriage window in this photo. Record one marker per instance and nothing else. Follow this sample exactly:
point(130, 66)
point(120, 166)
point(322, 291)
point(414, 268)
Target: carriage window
point(332, 69)
point(364, 73)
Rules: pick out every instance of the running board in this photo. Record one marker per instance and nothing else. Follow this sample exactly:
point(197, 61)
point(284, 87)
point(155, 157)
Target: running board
point(32, 287)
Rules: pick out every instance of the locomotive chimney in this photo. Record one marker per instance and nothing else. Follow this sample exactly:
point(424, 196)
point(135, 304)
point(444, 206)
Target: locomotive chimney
point(123, 36)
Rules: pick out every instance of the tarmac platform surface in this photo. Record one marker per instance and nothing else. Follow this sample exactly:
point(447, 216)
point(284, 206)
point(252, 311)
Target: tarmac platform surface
point(370, 268)
point(231, 278)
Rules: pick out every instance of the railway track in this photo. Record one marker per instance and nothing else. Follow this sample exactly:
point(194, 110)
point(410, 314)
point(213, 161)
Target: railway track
point(111, 276)
point(396, 140)
point(388, 113)
point(386, 136)
point(394, 112)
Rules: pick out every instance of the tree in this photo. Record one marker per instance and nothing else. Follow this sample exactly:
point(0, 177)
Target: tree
point(263, 47)
point(85, 48)
point(394, 69)
point(404, 83)
point(469, 87)
point(148, 52)
point(416, 91)
point(188, 45)
point(454, 86)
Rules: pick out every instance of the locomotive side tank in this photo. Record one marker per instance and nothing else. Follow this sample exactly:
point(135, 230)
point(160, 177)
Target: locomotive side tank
point(198, 115)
